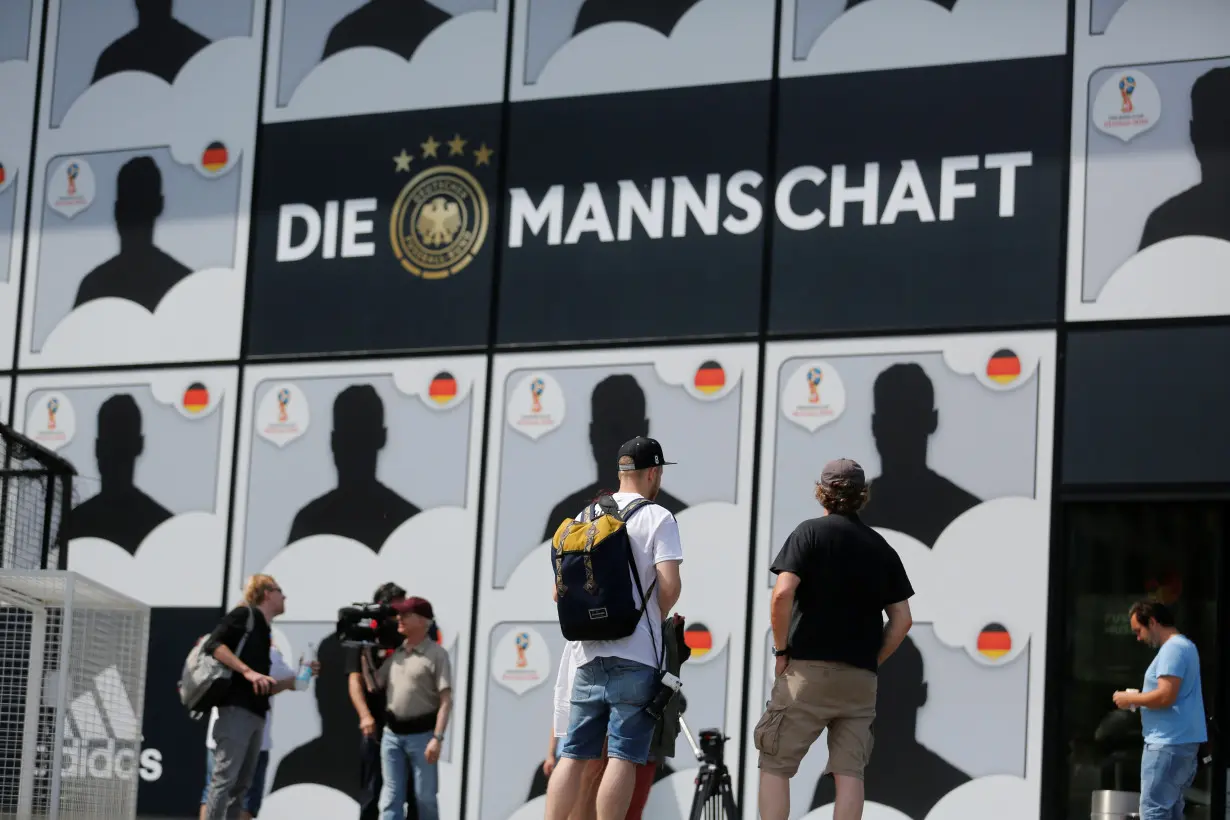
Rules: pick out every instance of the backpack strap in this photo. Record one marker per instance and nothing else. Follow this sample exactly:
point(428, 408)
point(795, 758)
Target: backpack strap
point(247, 630)
point(624, 515)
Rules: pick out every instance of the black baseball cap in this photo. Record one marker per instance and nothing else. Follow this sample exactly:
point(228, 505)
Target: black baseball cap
point(644, 451)
point(843, 472)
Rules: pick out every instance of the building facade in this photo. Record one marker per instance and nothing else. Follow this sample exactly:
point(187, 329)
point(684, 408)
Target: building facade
point(316, 289)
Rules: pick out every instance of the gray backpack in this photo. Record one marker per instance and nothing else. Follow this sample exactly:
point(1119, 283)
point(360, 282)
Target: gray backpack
point(205, 679)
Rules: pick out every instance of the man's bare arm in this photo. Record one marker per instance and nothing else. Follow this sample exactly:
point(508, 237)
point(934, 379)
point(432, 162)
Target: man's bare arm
point(357, 696)
point(899, 622)
point(669, 585)
point(781, 605)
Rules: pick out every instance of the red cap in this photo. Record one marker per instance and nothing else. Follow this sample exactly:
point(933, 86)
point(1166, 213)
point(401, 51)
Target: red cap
point(415, 604)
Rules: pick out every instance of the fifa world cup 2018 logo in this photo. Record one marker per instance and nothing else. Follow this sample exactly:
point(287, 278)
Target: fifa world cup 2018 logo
point(523, 643)
point(283, 400)
point(72, 172)
point(1127, 84)
point(814, 377)
point(53, 405)
point(536, 388)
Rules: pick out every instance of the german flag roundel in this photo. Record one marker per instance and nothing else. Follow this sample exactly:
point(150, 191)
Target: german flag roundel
point(215, 157)
point(1003, 367)
point(1, 173)
point(443, 387)
point(196, 397)
point(698, 639)
point(994, 641)
point(710, 378)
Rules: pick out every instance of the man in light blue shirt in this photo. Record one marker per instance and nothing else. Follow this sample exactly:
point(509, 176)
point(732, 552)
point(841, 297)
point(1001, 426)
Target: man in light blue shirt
point(1172, 712)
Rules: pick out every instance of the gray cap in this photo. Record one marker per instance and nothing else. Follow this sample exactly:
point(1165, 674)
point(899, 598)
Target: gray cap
point(843, 472)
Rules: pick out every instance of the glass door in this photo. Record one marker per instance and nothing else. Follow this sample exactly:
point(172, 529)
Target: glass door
point(1117, 553)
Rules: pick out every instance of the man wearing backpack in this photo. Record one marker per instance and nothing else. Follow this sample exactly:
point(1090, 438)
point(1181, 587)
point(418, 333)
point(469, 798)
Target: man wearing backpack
point(241, 711)
point(617, 677)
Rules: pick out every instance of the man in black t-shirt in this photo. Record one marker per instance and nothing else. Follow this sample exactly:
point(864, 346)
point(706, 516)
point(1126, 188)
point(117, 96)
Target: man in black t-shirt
point(362, 664)
point(241, 711)
point(836, 577)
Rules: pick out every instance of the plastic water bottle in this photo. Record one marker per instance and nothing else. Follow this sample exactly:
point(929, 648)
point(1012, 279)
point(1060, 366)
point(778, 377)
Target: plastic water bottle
point(304, 678)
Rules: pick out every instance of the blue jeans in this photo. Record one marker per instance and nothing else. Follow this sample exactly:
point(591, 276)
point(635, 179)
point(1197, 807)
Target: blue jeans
point(256, 792)
point(609, 696)
point(1165, 771)
point(395, 752)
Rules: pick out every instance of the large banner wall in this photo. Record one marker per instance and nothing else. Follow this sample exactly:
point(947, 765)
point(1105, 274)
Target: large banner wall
point(373, 290)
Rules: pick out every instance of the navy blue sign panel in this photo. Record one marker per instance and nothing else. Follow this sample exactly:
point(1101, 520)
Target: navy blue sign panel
point(375, 232)
point(635, 216)
point(1146, 406)
point(172, 758)
point(920, 198)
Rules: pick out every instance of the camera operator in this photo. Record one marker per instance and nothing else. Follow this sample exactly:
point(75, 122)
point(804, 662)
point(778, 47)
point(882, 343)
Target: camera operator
point(363, 664)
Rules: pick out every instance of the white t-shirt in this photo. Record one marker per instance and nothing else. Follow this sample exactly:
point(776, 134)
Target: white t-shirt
point(278, 670)
point(569, 660)
point(654, 535)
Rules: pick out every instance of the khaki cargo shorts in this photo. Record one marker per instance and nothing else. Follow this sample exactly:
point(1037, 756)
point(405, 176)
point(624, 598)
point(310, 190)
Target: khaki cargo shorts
point(810, 697)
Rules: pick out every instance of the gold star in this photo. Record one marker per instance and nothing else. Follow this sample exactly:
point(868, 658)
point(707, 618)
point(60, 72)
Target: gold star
point(429, 147)
point(483, 155)
point(455, 145)
point(402, 161)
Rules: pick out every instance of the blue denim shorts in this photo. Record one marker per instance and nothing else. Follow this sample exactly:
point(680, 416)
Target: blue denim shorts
point(1165, 772)
point(256, 792)
point(609, 696)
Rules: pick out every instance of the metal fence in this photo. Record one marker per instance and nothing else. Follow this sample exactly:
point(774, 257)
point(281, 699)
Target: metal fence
point(36, 494)
point(72, 694)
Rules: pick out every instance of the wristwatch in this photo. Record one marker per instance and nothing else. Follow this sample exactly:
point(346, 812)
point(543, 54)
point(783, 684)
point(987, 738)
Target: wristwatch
point(439, 737)
point(777, 653)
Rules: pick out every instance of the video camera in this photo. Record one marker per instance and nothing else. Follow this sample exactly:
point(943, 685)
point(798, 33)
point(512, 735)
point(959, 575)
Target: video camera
point(366, 624)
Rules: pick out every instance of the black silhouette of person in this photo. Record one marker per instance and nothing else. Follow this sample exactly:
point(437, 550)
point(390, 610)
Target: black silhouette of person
point(121, 512)
point(317, 760)
point(908, 496)
point(1204, 208)
point(617, 413)
point(399, 26)
point(159, 45)
point(360, 507)
point(902, 773)
point(660, 15)
point(141, 272)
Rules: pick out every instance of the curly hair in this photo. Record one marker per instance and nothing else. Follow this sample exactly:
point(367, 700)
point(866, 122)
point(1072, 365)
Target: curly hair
point(842, 498)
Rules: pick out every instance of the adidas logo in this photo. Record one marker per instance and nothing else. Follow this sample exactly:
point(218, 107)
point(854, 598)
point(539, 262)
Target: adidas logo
point(102, 735)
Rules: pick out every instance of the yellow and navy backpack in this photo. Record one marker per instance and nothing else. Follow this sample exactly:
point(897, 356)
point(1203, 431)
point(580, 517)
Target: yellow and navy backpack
point(595, 573)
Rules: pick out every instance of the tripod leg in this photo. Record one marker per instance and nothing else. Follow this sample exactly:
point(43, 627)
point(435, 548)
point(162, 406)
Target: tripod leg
point(700, 798)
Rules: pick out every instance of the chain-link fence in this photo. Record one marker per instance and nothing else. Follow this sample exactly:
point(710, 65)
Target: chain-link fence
point(72, 693)
point(36, 494)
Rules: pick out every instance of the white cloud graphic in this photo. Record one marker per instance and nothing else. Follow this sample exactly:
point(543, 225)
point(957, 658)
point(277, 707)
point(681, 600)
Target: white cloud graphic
point(988, 566)
point(212, 98)
point(1184, 276)
point(178, 564)
point(679, 370)
point(1001, 796)
point(200, 317)
point(322, 573)
point(168, 387)
point(460, 63)
point(970, 356)
point(882, 34)
point(414, 378)
point(715, 42)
